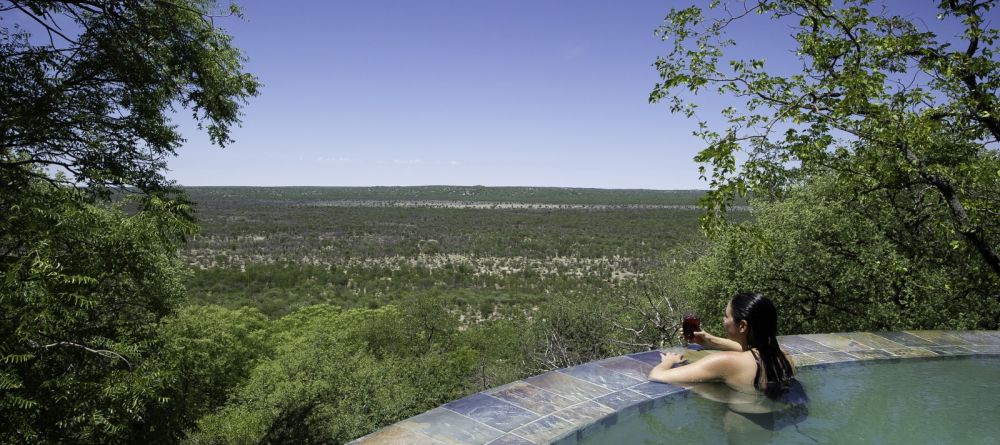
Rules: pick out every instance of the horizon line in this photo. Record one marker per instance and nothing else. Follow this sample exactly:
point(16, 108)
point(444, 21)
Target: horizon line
point(452, 185)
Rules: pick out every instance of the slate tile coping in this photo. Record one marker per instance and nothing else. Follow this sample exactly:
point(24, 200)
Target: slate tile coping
point(495, 412)
point(566, 405)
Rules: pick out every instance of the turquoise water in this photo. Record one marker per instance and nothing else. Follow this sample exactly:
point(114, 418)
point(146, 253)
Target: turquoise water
point(935, 401)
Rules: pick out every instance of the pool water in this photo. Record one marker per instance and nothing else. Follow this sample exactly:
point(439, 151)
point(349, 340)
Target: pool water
point(930, 401)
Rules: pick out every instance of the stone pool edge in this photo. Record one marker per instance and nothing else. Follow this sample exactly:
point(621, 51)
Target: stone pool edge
point(566, 405)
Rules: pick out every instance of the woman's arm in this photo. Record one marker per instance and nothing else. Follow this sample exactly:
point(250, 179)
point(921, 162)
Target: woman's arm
point(710, 341)
point(711, 368)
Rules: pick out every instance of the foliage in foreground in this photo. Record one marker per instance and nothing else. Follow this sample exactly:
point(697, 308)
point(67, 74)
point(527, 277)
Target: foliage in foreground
point(324, 374)
point(874, 166)
point(202, 354)
point(330, 374)
point(832, 265)
point(82, 288)
point(335, 375)
point(85, 110)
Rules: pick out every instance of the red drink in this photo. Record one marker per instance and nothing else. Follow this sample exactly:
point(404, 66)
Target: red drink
point(691, 324)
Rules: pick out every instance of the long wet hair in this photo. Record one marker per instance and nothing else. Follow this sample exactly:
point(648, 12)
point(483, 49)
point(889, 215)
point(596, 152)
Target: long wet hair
point(762, 335)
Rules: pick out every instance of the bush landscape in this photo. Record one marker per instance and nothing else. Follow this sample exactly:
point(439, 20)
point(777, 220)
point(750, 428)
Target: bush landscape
point(136, 311)
point(289, 247)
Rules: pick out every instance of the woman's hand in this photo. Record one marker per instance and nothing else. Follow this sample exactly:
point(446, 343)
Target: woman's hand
point(701, 338)
point(669, 359)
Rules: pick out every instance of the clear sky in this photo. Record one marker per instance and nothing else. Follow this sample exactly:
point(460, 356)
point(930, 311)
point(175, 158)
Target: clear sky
point(461, 92)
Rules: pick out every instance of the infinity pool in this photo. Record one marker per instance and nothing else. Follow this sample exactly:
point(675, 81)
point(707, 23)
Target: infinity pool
point(916, 401)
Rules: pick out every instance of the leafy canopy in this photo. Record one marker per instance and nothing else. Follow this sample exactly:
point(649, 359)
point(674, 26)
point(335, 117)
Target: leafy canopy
point(87, 89)
point(91, 93)
point(881, 100)
point(833, 266)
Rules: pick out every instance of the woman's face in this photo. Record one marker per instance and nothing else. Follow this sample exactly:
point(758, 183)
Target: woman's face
point(732, 326)
point(728, 321)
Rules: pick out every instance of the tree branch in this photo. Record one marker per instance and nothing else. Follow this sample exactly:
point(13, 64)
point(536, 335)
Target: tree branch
point(49, 28)
point(101, 352)
point(972, 234)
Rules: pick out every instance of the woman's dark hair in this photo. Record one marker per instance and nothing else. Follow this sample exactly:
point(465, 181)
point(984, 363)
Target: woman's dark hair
point(762, 335)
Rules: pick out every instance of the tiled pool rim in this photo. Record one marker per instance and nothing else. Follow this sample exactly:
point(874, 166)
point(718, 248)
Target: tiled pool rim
point(567, 405)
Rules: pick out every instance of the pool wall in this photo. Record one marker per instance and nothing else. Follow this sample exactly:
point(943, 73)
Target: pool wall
point(566, 405)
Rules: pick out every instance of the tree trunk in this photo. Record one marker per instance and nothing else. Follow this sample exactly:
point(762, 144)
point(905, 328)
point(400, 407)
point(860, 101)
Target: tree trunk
point(972, 234)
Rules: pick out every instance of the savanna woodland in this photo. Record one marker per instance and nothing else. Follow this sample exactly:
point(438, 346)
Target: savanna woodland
point(860, 191)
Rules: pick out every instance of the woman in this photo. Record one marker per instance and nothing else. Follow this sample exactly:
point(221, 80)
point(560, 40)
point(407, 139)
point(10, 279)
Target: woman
point(751, 360)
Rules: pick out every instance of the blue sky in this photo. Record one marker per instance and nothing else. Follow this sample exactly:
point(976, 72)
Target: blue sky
point(462, 92)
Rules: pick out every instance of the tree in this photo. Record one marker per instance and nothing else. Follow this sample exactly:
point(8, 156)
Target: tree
point(832, 266)
point(874, 168)
point(82, 290)
point(880, 101)
point(96, 103)
point(84, 111)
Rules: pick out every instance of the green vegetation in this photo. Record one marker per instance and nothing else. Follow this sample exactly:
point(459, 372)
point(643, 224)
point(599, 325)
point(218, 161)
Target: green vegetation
point(84, 284)
point(836, 267)
point(874, 168)
point(336, 375)
point(83, 287)
point(268, 249)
